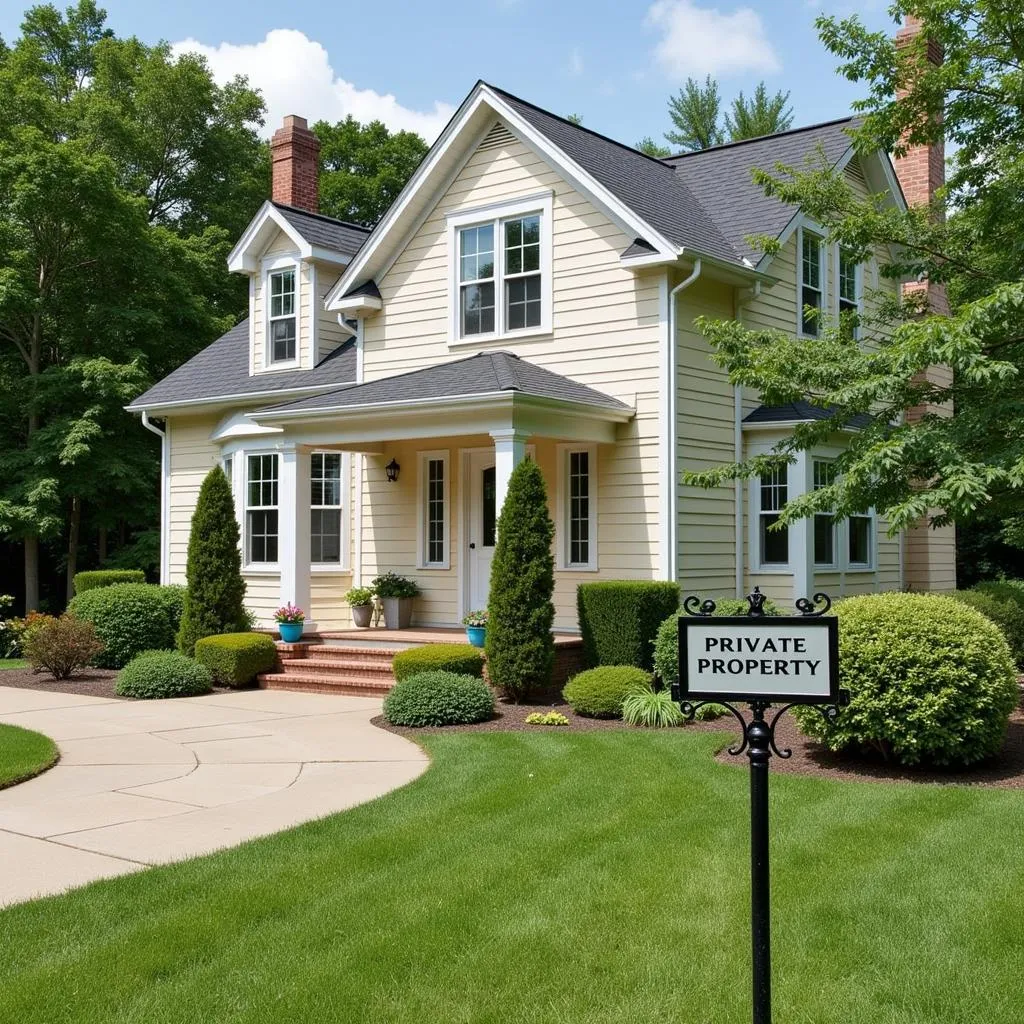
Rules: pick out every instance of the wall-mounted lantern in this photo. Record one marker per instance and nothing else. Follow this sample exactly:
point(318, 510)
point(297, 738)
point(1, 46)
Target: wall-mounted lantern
point(392, 469)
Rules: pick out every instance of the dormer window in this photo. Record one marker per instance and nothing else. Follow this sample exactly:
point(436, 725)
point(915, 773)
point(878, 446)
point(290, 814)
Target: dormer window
point(282, 322)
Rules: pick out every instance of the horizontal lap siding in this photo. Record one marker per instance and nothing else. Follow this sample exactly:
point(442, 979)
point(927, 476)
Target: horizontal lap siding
point(282, 245)
point(192, 456)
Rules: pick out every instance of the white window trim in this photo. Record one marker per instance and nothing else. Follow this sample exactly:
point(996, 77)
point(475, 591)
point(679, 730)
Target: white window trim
point(837, 538)
point(858, 286)
point(268, 568)
point(421, 509)
point(273, 266)
point(562, 534)
point(815, 229)
point(539, 203)
point(345, 538)
point(770, 568)
point(872, 563)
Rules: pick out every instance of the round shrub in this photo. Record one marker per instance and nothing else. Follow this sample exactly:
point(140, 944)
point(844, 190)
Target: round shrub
point(1007, 615)
point(930, 680)
point(131, 618)
point(600, 692)
point(439, 698)
point(154, 675)
point(462, 659)
point(236, 659)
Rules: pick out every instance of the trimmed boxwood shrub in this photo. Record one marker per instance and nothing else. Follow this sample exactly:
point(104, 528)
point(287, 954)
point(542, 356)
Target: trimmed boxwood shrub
point(154, 675)
point(236, 659)
point(930, 681)
point(439, 698)
point(1007, 615)
point(600, 692)
point(462, 659)
point(106, 578)
point(620, 618)
point(131, 618)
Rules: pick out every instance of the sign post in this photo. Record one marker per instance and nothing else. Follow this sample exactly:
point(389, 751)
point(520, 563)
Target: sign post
point(761, 661)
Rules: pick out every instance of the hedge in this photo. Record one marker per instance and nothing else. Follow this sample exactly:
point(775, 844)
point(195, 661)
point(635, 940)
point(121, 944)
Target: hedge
point(96, 578)
point(619, 619)
point(236, 659)
point(462, 659)
point(439, 698)
point(1003, 590)
point(600, 692)
point(155, 675)
point(1007, 615)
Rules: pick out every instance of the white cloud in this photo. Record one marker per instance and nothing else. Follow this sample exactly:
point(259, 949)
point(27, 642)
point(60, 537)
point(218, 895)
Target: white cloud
point(294, 74)
point(702, 41)
point(575, 66)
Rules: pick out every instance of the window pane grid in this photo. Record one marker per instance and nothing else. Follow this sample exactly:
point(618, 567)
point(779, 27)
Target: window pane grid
point(774, 489)
point(325, 507)
point(282, 315)
point(824, 474)
point(261, 508)
point(579, 508)
point(435, 511)
point(810, 282)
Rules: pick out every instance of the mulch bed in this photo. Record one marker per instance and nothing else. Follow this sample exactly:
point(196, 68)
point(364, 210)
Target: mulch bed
point(93, 682)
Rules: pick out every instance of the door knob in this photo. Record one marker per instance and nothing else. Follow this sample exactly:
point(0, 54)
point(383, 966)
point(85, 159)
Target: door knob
point(472, 546)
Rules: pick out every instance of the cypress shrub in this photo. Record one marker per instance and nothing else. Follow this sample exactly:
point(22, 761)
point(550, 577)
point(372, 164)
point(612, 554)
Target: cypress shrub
point(106, 578)
point(520, 645)
point(213, 574)
point(619, 619)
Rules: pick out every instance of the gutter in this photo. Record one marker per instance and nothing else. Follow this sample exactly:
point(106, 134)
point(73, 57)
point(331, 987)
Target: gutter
point(165, 493)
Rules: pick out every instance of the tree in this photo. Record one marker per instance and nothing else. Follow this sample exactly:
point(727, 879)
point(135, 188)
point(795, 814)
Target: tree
point(364, 167)
point(574, 118)
point(651, 148)
point(694, 112)
point(760, 115)
point(520, 644)
point(213, 572)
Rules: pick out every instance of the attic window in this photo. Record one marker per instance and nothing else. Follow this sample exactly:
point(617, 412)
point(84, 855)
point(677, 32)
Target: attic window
point(282, 319)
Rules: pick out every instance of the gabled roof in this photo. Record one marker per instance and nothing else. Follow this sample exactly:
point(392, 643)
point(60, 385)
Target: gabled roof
point(340, 235)
point(800, 411)
point(221, 372)
point(487, 373)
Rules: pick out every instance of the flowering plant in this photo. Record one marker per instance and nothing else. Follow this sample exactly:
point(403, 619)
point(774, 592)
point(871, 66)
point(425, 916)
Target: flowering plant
point(476, 618)
point(289, 613)
point(390, 584)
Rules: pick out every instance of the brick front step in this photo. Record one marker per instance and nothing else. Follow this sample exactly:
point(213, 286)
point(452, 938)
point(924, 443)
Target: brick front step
point(308, 683)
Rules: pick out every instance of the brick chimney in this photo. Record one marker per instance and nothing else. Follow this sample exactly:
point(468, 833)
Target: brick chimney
point(294, 154)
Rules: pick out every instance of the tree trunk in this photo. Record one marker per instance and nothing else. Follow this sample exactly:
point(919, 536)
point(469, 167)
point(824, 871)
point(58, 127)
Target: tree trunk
point(103, 545)
point(73, 532)
point(32, 542)
point(31, 574)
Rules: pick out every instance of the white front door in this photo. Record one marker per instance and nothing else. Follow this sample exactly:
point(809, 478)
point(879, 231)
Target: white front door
point(483, 527)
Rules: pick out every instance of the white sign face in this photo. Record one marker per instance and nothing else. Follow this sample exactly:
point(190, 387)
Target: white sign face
point(774, 659)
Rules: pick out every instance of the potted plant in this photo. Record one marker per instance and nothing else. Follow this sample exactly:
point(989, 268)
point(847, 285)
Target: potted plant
point(396, 594)
point(290, 620)
point(360, 600)
point(476, 627)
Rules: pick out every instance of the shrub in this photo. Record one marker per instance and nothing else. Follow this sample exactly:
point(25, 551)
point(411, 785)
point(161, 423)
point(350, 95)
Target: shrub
point(619, 619)
point(106, 578)
point(1003, 590)
point(236, 659)
point(154, 675)
point(1007, 615)
point(393, 585)
point(651, 710)
point(16, 631)
point(461, 659)
point(439, 698)
point(520, 645)
point(359, 597)
point(709, 712)
point(131, 618)
point(600, 692)
point(213, 573)
point(555, 718)
point(61, 645)
point(930, 680)
point(666, 642)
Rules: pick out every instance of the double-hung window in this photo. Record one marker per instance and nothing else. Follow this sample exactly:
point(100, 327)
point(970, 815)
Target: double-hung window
point(860, 533)
point(824, 522)
point(325, 508)
point(848, 289)
point(522, 272)
point(476, 280)
point(579, 508)
point(774, 493)
point(283, 319)
point(812, 282)
point(261, 510)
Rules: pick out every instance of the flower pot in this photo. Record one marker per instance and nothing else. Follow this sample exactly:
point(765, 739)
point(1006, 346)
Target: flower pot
point(291, 632)
point(362, 614)
point(476, 635)
point(397, 612)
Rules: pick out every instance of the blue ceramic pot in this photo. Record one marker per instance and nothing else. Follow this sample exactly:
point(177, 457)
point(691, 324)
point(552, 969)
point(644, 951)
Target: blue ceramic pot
point(476, 635)
point(291, 632)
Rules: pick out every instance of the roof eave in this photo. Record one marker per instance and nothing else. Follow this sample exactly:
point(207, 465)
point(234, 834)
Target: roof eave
point(186, 405)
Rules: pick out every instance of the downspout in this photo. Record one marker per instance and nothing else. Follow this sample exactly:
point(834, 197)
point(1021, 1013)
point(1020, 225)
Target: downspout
point(737, 443)
point(672, 475)
point(165, 458)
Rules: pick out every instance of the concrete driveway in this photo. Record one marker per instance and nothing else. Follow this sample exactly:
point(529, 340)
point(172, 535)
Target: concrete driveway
point(149, 782)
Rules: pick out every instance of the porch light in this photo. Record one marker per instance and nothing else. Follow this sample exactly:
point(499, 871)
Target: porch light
point(392, 469)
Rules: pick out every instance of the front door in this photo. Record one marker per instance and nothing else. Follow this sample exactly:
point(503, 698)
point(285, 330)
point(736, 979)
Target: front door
point(483, 527)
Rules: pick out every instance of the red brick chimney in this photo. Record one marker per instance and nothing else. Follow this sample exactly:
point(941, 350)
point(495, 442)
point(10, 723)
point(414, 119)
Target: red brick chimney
point(294, 154)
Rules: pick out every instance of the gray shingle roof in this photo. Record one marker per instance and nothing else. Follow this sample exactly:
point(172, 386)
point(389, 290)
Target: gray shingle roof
point(484, 373)
point(638, 247)
point(222, 369)
point(369, 288)
point(339, 235)
point(799, 411)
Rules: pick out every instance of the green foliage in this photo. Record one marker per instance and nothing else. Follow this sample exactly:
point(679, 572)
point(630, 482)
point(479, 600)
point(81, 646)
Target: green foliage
point(600, 692)
point(1008, 615)
point(619, 619)
point(106, 578)
point(694, 113)
point(651, 710)
point(131, 618)
point(236, 659)
point(61, 646)
point(520, 645)
point(156, 675)
point(709, 712)
point(648, 146)
point(439, 698)
point(554, 718)
point(215, 588)
point(359, 597)
point(931, 681)
point(1003, 590)
point(390, 584)
point(760, 115)
point(462, 659)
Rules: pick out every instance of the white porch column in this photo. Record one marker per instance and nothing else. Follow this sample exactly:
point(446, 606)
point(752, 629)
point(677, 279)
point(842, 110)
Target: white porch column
point(509, 451)
point(293, 529)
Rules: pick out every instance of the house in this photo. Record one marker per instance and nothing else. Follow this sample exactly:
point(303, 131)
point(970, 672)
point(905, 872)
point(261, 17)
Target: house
point(530, 294)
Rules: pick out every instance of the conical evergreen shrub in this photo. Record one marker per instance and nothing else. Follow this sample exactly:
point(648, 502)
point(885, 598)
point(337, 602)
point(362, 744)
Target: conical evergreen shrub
point(520, 646)
point(213, 600)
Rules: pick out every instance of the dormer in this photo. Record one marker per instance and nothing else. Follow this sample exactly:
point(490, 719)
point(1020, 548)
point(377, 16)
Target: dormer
point(292, 256)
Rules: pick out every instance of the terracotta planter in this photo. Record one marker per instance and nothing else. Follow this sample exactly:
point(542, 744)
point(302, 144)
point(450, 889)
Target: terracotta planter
point(397, 612)
point(362, 615)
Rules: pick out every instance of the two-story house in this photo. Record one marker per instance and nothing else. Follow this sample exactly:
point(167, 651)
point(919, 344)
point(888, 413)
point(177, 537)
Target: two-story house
point(531, 293)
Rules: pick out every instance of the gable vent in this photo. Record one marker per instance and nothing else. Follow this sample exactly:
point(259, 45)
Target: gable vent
point(497, 137)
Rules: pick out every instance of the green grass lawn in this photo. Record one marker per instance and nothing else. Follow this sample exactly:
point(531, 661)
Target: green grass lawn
point(12, 663)
point(584, 878)
point(23, 753)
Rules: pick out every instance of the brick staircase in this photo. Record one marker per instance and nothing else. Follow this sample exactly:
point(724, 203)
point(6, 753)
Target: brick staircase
point(354, 671)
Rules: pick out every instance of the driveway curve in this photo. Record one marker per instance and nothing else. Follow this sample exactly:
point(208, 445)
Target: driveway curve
point(149, 782)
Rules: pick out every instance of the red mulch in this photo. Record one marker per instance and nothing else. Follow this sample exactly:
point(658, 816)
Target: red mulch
point(90, 682)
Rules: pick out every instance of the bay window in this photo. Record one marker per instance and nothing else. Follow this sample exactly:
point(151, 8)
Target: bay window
point(325, 508)
point(824, 522)
point(860, 533)
point(261, 509)
point(774, 493)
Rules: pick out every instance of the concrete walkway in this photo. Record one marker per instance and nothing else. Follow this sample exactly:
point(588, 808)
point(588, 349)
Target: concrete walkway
point(148, 782)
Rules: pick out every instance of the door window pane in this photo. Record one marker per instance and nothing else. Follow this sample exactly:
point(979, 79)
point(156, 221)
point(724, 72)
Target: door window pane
point(489, 512)
point(579, 508)
point(435, 511)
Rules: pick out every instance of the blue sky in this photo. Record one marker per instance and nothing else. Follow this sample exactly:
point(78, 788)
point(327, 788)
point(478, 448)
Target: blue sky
point(412, 63)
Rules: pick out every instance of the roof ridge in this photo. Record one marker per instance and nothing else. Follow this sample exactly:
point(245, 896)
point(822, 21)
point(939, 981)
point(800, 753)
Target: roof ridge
point(761, 138)
point(323, 216)
point(504, 374)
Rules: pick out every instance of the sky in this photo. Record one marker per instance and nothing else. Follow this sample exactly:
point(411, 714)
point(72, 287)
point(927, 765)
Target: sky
point(615, 62)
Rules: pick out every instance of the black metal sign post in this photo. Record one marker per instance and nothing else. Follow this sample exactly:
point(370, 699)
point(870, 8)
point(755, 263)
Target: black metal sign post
point(761, 661)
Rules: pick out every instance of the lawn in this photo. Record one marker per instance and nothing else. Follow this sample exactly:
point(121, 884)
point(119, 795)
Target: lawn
point(12, 663)
point(556, 878)
point(23, 753)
